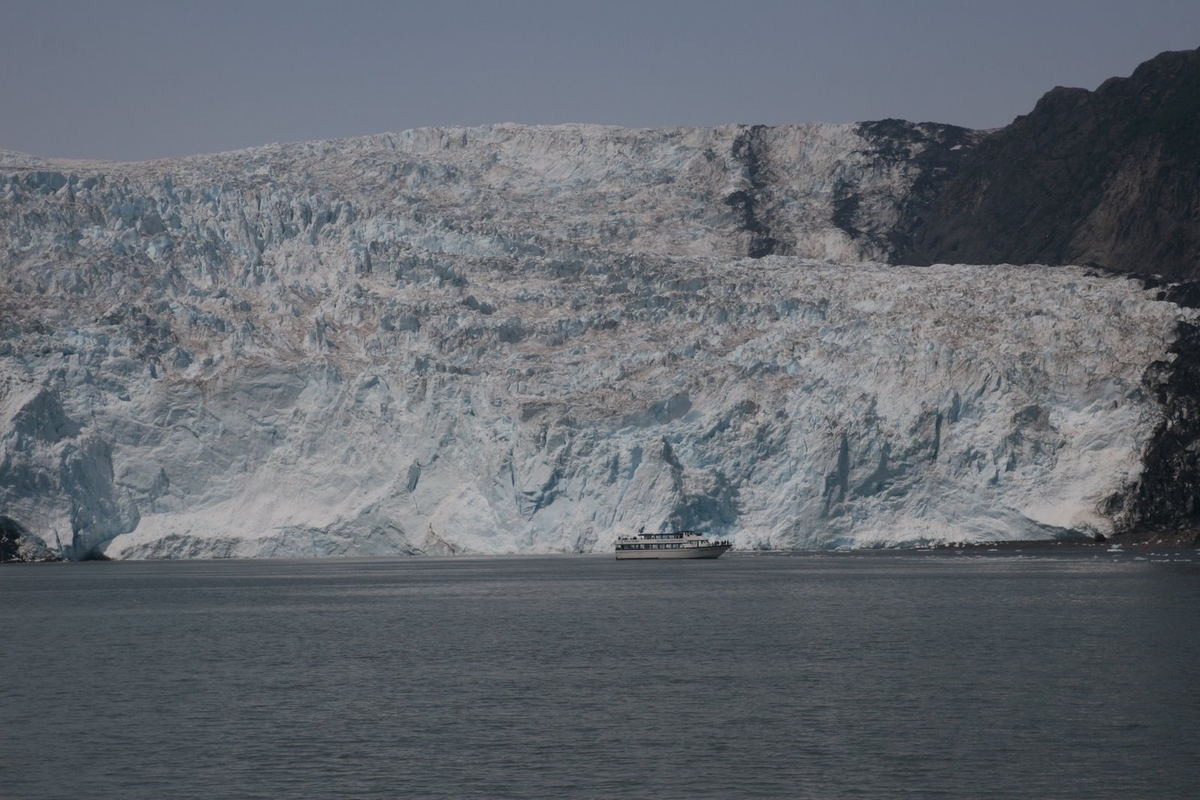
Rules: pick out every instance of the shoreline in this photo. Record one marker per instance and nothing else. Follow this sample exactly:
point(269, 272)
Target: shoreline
point(1185, 539)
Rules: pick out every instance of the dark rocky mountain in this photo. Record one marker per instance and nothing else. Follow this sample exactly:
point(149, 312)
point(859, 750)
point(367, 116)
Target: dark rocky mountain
point(1164, 504)
point(1109, 177)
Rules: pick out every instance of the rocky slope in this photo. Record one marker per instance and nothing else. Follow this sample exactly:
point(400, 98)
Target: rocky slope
point(1110, 177)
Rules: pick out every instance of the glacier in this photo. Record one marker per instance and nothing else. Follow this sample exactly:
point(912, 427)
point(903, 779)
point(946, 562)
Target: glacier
point(532, 339)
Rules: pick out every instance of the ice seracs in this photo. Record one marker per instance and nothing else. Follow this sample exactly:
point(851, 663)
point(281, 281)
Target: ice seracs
point(518, 339)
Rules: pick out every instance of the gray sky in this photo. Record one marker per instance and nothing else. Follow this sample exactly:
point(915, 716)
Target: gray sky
point(142, 79)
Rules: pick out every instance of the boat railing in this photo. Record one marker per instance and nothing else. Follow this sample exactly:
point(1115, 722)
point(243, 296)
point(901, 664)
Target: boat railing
point(687, 538)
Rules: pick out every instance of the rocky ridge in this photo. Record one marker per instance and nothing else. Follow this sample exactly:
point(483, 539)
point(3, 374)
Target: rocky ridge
point(1109, 178)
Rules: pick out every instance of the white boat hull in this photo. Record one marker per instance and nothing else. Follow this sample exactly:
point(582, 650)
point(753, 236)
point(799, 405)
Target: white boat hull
point(709, 551)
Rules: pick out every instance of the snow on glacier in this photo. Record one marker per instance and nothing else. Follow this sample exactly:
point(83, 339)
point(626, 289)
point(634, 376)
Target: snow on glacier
point(517, 339)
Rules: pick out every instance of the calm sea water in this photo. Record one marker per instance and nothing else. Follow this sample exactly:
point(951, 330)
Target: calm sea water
point(1060, 673)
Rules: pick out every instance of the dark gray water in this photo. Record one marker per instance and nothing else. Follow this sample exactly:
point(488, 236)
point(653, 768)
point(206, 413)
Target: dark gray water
point(1054, 674)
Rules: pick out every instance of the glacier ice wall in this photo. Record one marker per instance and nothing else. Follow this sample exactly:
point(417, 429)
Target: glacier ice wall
point(517, 339)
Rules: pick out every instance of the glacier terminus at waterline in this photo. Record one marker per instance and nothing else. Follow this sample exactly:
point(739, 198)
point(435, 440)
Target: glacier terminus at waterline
point(534, 339)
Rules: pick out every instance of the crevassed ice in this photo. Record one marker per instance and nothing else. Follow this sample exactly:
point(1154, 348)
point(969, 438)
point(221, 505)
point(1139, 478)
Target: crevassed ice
point(533, 340)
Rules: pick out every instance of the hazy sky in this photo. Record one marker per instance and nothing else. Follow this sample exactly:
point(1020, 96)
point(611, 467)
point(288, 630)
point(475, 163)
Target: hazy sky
point(142, 79)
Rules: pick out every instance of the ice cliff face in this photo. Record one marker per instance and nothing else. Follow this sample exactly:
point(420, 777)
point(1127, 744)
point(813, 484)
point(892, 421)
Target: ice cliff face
point(514, 339)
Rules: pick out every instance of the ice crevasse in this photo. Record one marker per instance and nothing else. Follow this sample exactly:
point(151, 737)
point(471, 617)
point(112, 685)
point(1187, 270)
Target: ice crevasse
point(517, 339)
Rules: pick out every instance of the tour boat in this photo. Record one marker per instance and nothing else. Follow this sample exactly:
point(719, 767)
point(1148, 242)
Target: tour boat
point(679, 544)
